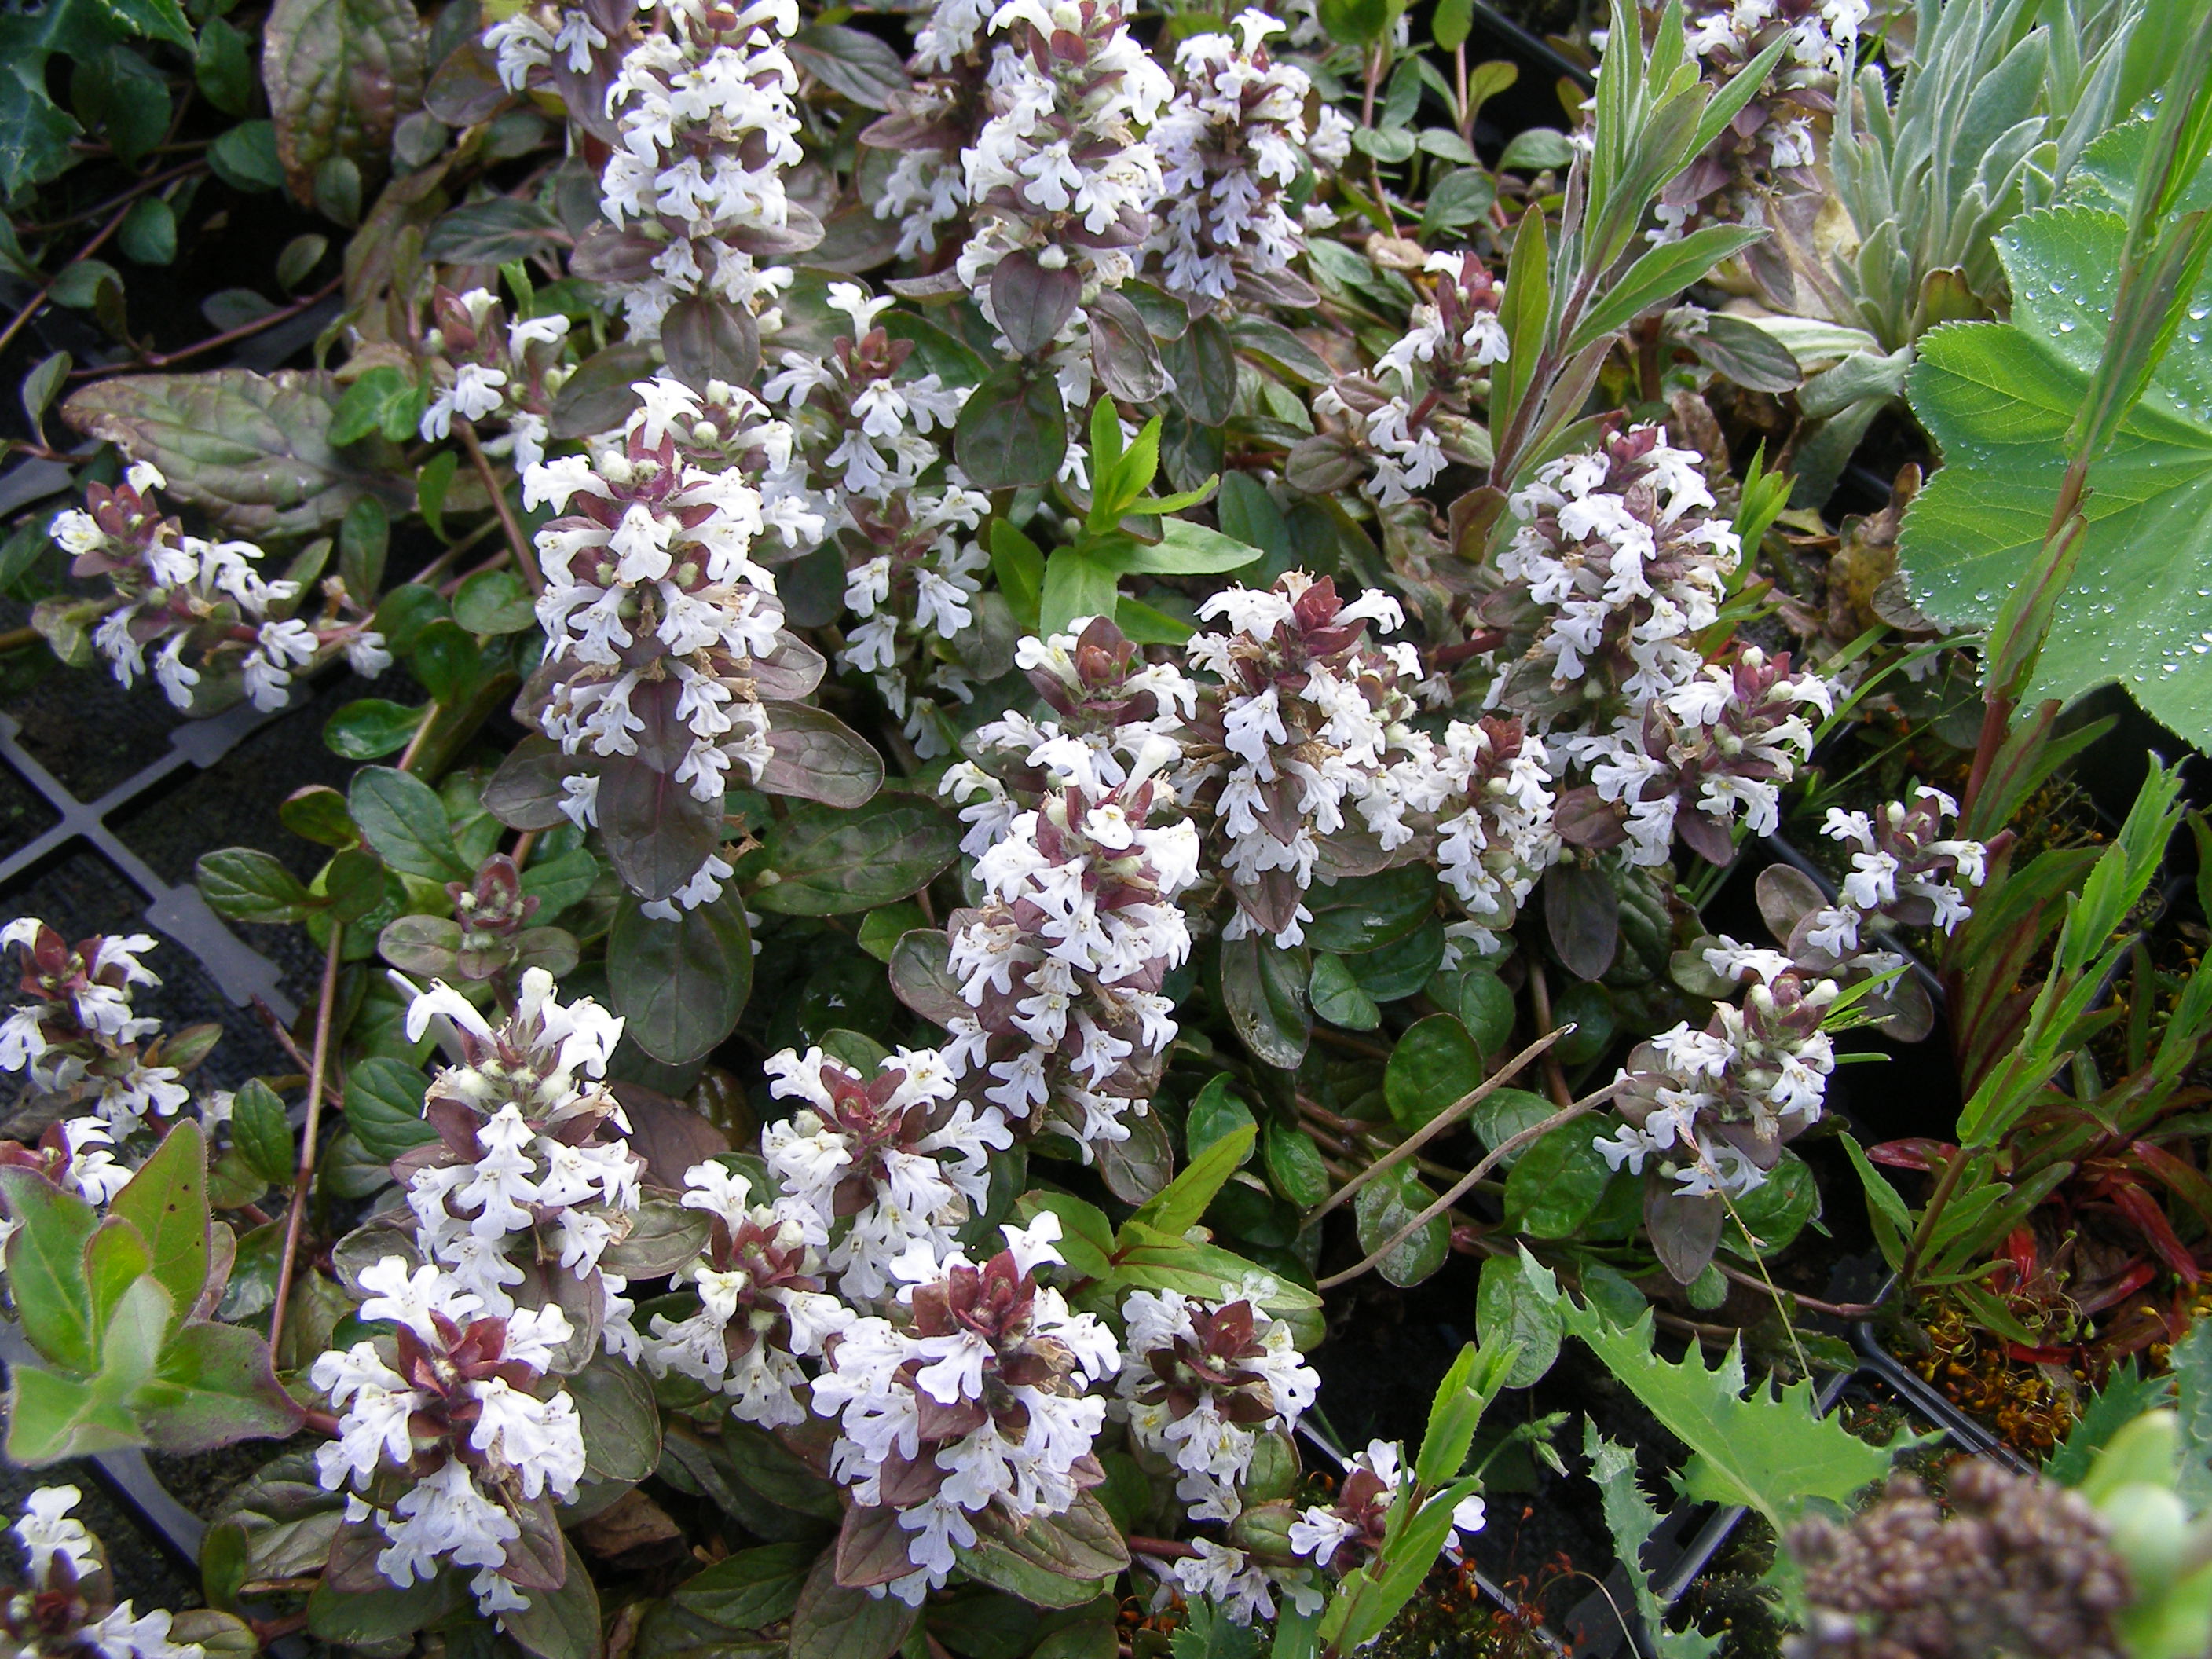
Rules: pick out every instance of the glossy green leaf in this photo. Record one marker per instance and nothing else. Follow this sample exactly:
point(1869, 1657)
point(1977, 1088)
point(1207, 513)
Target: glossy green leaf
point(1434, 1065)
point(680, 985)
point(828, 862)
point(1386, 1204)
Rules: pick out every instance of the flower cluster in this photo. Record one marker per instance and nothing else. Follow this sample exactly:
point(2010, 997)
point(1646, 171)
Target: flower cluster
point(57, 1612)
point(1413, 410)
point(569, 51)
point(1230, 144)
point(1114, 719)
point(762, 1306)
point(705, 126)
point(185, 594)
point(495, 370)
point(1718, 746)
point(862, 428)
point(1903, 870)
point(932, 121)
point(79, 1040)
point(1063, 963)
point(520, 1173)
point(658, 612)
point(977, 1400)
point(2019, 1565)
point(1773, 146)
point(1618, 561)
point(1479, 804)
point(449, 1403)
point(1338, 1535)
point(1202, 1382)
point(1301, 725)
point(1058, 169)
point(1712, 1108)
point(873, 1168)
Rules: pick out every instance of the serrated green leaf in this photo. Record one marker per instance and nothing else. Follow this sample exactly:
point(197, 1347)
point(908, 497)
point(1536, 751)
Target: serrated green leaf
point(1630, 1518)
point(2000, 399)
point(1771, 1451)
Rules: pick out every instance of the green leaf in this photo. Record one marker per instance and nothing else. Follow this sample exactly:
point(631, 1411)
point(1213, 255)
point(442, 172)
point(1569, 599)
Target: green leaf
point(1075, 585)
point(494, 602)
point(1455, 1411)
point(1556, 1183)
point(384, 399)
point(621, 1423)
point(1012, 431)
point(1294, 1164)
point(1186, 549)
point(1337, 996)
point(2192, 1376)
point(1049, 1560)
point(1019, 567)
point(45, 1267)
point(51, 1416)
point(751, 1590)
point(826, 862)
point(388, 1614)
point(261, 1132)
point(492, 232)
point(369, 728)
point(1435, 1063)
point(1365, 913)
point(1771, 1451)
point(384, 1107)
point(402, 817)
point(1215, 1113)
point(1176, 1207)
point(1630, 1518)
point(681, 985)
point(1387, 1203)
point(114, 1260)
point(247, 886)
point(253, 451)
point(221, 65)
point(148, 232)
point(2000, 400)
point(1508, 1309)
point(318, 813)
point(2124, 1397)
point(339, 73)
point(167, 1202)
point(832, 1622)
point(213, 1387)
point(1659, 275)
point(1086, 1237)
point(1264, 987)
point(34, 131)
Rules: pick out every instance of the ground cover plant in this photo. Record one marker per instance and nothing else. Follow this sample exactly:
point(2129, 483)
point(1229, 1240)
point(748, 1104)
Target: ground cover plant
point(1055, 726)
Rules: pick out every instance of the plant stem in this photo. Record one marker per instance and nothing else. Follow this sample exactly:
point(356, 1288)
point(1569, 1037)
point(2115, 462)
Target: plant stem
point(31, 306)
point(16, 638)
point(303, 1177)
point(1555, 1080)
point(1528, 1136)
point(1810, 1303)
point(123, 200)
point(515, 539)
point(228, 336)
point(1167, 1549)
point(1436, 1124)
point(415, 743)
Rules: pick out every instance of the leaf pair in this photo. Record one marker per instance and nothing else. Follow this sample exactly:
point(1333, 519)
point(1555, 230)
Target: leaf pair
point(115, 1306)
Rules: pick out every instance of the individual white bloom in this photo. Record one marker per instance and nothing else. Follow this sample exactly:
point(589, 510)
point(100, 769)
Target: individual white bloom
point(47, 1530)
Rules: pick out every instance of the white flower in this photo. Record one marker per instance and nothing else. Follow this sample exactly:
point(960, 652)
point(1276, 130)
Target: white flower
point(47, 1530)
